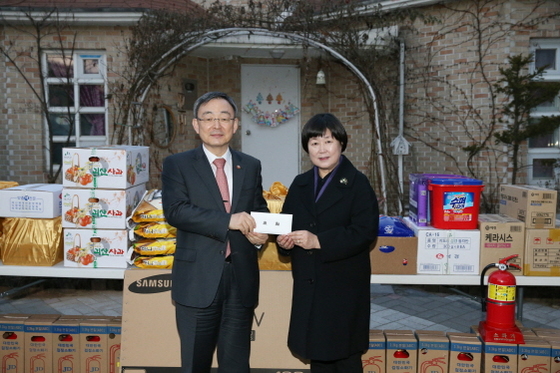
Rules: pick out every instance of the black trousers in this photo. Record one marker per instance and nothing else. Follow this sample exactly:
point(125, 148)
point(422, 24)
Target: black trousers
point(351, 364)
point(225, 324)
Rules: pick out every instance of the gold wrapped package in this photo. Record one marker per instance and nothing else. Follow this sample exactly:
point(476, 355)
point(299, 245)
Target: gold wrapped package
point(155, 247)
point(150, 208)
point(154, 262)
point(155, 230)
point(31, 242)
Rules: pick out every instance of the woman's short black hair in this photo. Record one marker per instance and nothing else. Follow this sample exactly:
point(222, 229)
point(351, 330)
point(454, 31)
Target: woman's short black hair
point(318, 125)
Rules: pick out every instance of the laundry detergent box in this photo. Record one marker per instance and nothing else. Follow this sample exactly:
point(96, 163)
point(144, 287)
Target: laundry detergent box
point(66, 345)
point(12, 347)
point(373, 361)
point(542, 252)
point(499, 357)
point(534, 355)
point(533, 205)
point(433, 352)
point(465, 353)
point(109, 167)
point(96, 248)
point(39, 343)
point(99, 208)
point(42, 201)
point(446, 251)
point(402, 351)
point(500, 236)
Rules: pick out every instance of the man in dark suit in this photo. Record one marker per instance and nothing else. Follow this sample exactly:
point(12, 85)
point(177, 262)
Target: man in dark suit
point(215, 271)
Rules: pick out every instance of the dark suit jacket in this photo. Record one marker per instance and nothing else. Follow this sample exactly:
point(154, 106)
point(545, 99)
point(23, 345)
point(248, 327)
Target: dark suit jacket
point(331, 298)
point(192, 203)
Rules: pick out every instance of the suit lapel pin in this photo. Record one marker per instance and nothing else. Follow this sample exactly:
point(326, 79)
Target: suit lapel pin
point(238, 167)
point(343, 181)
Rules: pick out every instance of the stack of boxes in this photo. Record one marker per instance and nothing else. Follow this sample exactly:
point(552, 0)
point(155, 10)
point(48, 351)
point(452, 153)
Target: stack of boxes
point(31, 228)
point(60, 344)
point(102, 186)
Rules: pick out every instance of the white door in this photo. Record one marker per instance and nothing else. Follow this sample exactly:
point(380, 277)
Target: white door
point(270, 120)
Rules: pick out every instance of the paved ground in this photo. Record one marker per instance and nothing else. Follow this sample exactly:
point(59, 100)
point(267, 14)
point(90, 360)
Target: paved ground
point(392, 307)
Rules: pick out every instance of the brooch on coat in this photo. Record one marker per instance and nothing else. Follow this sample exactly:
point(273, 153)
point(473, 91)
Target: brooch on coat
point(343, 181)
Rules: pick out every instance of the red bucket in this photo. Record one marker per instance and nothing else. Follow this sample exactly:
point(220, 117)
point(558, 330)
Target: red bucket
point(455, 202)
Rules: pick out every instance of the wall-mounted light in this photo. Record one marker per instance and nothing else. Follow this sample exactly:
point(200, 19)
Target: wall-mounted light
point(277, 53)
point(321, 78)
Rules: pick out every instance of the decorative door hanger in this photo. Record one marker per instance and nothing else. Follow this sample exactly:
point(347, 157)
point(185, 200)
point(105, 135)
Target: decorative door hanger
point(270, 112)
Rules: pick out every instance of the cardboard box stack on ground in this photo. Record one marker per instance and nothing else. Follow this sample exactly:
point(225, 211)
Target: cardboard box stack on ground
point(59, 344)
point(374, 360)
point(102, 186)
point(465, 353)
point(402, 351)
point(31, 225)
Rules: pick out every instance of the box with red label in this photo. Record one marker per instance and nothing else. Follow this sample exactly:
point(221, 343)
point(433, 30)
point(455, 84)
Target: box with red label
point(99, 208)
point(465, 353)
point(402, 351)
point(542, 252)
point(433, 352)
point(66, 346)
point(110, 167)
point(94, 248)
point(500, 237)
point(499, 357)
point(38, 343)
point(93, 346)
point(12, 347)
point(373, 361)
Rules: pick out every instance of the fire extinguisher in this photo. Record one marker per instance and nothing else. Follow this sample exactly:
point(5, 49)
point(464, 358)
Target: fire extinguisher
point(499, 303)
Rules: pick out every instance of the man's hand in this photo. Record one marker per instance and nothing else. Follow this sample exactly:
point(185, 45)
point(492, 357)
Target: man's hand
point(243, 222)
point(257, 238)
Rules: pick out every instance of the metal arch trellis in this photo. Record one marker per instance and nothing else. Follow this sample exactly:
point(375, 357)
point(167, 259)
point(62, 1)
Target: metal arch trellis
point(220, 33)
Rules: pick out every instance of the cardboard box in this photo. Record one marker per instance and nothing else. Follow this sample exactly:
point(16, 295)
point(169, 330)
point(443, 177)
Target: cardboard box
point(147, 292)
point(446, 251)
point(99, 208)
point(499, 357)
point(394, 255)
point(93, 248)
point(554, 342)
point(12, 348)
point(534, 355)
point(500, 237)
point(433, 352)
point(542, 252)
point(39, 343)
point(66, 346)
point(31, 201)
point(465, 353)
point(534, 205)
point(93, 346)
point(402, 351)
point(108, 167)
point(373, 361)
point(114, 344)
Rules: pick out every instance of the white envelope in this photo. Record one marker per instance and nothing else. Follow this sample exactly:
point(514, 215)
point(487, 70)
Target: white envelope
point(272, 223)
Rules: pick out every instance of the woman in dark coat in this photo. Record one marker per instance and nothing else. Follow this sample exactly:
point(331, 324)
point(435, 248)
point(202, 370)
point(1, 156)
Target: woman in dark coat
point(335, 221)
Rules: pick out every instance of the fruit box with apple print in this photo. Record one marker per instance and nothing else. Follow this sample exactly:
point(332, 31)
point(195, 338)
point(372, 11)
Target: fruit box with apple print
point(95, 248)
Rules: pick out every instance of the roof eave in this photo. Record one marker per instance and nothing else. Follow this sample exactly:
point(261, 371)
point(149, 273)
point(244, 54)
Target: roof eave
point(77, 18)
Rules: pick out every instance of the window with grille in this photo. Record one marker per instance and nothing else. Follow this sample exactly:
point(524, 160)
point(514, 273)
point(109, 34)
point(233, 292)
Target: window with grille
point(76, 87)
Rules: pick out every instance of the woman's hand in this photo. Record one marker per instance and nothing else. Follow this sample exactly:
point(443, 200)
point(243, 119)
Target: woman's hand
point(305, 239)
point(285, 241)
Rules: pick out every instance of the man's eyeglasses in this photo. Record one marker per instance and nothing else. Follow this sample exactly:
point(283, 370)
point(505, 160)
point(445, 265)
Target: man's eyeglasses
point(210, 121)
